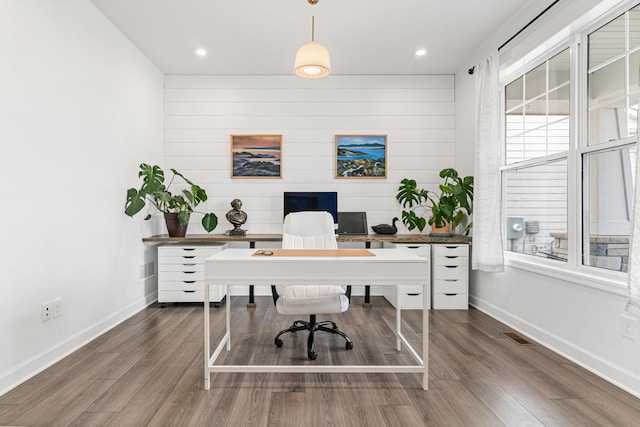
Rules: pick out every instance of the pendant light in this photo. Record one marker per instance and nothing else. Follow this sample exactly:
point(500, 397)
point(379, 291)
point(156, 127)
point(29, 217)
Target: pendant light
point(312, 59)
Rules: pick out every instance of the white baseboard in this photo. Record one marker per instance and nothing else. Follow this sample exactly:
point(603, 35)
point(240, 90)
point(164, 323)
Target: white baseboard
point(45, 359)
point(605, 369)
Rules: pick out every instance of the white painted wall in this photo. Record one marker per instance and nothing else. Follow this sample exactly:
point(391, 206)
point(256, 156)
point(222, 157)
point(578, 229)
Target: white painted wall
point(579, 321)
point(80, 108)
point(417, 113)
point(201, 112)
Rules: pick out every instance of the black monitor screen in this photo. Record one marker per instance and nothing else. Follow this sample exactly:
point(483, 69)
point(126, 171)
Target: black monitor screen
point(312, 201)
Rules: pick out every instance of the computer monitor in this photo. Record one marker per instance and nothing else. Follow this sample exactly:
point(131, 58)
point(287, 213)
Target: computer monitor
point(299, 201)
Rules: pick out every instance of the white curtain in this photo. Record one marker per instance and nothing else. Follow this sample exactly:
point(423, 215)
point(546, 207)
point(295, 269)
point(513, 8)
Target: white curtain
point(487, 229)
point(633, 275)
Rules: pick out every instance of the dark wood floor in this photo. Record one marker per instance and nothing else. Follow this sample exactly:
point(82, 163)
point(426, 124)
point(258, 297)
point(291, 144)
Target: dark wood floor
point(148, 371)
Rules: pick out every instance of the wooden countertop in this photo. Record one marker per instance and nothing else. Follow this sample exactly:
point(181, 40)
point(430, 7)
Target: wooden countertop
point(379, 238)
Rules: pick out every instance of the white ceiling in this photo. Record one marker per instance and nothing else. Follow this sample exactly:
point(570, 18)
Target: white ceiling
point(261, 37)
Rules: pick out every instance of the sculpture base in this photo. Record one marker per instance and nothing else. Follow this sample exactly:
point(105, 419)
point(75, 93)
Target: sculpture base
point(239, 232)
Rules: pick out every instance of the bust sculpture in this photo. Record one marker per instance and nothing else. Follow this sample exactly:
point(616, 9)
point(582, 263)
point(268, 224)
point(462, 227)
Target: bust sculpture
point(236, 217)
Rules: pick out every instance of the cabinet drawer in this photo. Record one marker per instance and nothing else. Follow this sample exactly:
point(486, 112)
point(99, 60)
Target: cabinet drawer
point(180, 296)
point(450, 250)
point(407, 300)
point(178, 251)
point(423, 250)
point(411, 301)
point(451, 260)
point(180, 276)
point(215, 295)
point(450, 272)
point(189, 259)
point(175, 285)
point(410, 289)
point(450, 301)
point(184, 266)
point(449, 286)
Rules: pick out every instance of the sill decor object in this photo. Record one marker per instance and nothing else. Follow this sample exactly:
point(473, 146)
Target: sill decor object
point(361, 156)
point(256, 156)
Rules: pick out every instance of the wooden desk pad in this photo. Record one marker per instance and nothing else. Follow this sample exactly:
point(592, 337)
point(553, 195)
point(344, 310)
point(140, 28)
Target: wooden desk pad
point(315, 252)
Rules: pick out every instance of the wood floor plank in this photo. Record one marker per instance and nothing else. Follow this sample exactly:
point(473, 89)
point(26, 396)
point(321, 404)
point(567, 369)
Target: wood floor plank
point(287, 409)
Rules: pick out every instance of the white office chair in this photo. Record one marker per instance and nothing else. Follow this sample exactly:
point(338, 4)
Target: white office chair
point(310, 230)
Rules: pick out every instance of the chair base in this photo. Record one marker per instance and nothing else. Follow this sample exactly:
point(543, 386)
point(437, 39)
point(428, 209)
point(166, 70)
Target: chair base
point(312, 326)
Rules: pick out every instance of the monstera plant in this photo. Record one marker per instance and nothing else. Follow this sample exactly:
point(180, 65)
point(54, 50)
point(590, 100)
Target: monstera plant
point(157, 197)
point(447, 208)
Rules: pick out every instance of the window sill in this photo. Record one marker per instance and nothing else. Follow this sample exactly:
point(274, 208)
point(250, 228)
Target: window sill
point(607, 281)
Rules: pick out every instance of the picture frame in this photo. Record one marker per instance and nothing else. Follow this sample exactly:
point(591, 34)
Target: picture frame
point(361, 156)
point(256, 156)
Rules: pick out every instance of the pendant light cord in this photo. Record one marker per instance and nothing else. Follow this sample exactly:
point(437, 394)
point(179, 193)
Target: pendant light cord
point(312, 27)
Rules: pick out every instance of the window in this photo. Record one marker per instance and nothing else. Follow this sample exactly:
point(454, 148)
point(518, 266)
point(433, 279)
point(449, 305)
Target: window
point(537, 141)
point(568, 176)
point(608, 157)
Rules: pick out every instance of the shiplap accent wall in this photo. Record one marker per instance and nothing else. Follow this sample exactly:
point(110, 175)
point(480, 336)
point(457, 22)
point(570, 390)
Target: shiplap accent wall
point(201, 112)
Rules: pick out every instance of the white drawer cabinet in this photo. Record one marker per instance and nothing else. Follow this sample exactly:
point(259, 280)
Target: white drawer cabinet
point(450, 277)
point(181, 273)
point(408, 297)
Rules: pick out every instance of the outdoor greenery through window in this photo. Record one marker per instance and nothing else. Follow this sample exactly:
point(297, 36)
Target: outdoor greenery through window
point(608, 159)
point(537, 131)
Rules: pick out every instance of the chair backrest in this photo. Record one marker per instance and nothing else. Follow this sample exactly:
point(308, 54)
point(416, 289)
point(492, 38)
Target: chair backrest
point(309, 230)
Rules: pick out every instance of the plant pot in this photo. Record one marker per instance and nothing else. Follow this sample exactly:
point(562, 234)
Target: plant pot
point(174, 228)
point(444, 231)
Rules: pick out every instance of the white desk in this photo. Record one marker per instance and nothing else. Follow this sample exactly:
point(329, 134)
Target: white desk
point(388, 267)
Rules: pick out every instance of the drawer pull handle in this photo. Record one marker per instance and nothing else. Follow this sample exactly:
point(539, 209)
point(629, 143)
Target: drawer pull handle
point(451, 295)
point(451, 247)
point(188, 249)
point(188, 272)
point(189, 257)
point(451, 266)
point(450, 280)
point(413, 295)
point(188, 265)
point(188, 292)
point(451, 256)
point(188, 281)
point(413, 247)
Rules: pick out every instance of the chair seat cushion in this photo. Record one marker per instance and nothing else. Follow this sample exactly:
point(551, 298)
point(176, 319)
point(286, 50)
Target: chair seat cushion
point(312, 300)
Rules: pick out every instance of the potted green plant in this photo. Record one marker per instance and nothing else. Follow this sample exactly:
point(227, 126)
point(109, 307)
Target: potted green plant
point(177, 208)
point(448, 208)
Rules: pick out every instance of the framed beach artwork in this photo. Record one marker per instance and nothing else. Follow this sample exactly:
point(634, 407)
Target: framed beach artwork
point(361, 156)
point(256, 156)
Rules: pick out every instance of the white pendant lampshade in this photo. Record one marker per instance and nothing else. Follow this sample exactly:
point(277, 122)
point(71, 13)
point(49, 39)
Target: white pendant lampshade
point(312, 59)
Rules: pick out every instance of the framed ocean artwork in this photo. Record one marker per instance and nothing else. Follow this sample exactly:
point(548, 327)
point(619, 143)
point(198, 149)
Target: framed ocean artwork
point(361, 156)
point(256, 156)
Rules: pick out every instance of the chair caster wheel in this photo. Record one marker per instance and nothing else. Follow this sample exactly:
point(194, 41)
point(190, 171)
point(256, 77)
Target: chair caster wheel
point(349, 345)
point(278, 342)
point(312, 355)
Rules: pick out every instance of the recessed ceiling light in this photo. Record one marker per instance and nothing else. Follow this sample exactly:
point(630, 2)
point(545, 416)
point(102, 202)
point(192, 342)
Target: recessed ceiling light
point(421, 52)
point(201, 52)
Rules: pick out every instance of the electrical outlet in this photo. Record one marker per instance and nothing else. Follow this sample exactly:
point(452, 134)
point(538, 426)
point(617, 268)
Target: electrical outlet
point(628, 327)
point(57, 307)
point(46, 311)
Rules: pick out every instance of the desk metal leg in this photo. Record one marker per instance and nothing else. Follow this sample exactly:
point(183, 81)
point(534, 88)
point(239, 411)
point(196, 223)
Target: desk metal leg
point(425, 337)
point(367, 288)
point(252, 299)
point(207, 344)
